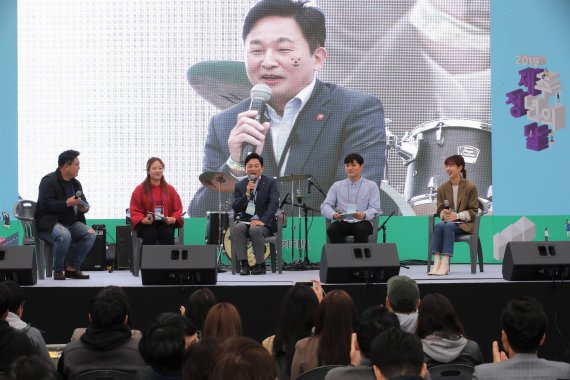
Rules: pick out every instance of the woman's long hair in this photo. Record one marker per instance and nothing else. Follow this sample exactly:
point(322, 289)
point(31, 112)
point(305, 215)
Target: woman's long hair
point(437, 314)
point(296, 321)
point(146, 182)
point(223, 321)
point(336, 321)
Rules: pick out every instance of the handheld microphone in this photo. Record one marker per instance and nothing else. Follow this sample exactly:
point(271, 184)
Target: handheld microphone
point(445, 204)
point(284, 200)
point(149, 216)
point(260, 94)
point(251, 178)
point(78, 195)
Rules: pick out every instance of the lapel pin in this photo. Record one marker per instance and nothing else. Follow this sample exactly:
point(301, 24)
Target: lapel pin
point(320, 117)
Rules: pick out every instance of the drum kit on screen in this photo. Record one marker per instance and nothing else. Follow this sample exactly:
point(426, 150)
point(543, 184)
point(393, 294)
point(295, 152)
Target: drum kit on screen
point(218, 230)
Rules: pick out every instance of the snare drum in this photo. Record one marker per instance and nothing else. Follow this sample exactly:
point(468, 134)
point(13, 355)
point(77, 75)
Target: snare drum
point(250, 254)
point(429, 144)
point(213, 227)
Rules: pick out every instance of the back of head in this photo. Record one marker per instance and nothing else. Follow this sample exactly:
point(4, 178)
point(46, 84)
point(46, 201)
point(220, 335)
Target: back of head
point(67, 157)
point(223, 321)
point(296, 320)
point(437, 314)
point(108, 308)
point(198, 305)
point(15, 295)
point(163, 345)
point(32, 367)
point(397, 353)
point(524, 321)
point(403, 294)
point(336, 320)
point(242, 358)
point(311, 20)
point(374, 321)
point(199, 359)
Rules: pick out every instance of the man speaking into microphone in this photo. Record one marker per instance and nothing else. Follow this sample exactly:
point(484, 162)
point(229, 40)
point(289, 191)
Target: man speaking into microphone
point(308, 126)
point(256, 198)
point(60, 217)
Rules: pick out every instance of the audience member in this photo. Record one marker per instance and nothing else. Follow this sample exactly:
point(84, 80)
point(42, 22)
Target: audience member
point(242, 358)
point(223, 321)
point(397, 354)
point(119, 292)
point(14, 319)
point(336, 319)
point(197, 307)
point(199, 359)
point(107, 343)
point(373, 321)
point(403, 298)
point(32, 367)
point(523, 324)
point(442, 334)
point(13, 343)
point(296, 321)
point(163, 347)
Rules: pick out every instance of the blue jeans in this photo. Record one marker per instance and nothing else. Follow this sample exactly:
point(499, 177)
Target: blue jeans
point(61, 237)
point(444, 237)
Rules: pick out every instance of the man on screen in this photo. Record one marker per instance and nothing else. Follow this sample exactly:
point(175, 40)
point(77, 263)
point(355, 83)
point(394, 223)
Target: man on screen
point(60, 216)
point(352, 203)
point(312, 125)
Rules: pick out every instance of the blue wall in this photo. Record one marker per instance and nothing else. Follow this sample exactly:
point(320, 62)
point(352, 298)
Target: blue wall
point(8, 104)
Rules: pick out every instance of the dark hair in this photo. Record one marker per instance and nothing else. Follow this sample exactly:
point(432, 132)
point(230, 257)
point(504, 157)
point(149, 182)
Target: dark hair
point(296, 320)
point(198, 305)
point(15, 295)
point(336, 319)
point(146, 182)
point(108, 308)
point(437, 314)
point(524, 321)
point(252, 156)
point(311, 20)
point(397, 353)
point(242, 358)
point(354, 157)
point(162, 346)
point(373, 321)
point(32, 367)
point(223, 321)
point(67, 157)
point(198, 360)
point(456, 160)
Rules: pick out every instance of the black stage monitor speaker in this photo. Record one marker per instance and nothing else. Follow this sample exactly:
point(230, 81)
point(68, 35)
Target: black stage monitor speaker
point(536, 261)
point(179, 265)
point(360, 263)
point(97, 257)
point(18, 263)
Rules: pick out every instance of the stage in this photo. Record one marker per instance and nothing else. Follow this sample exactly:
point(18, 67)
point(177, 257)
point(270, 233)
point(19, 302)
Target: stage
point(57, 307)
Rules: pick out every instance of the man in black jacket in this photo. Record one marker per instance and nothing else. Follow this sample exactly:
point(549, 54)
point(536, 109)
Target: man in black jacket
point(60, 216)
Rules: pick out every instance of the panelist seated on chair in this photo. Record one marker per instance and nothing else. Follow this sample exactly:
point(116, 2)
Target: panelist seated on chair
point(156, 208)
point(457, 203)
point(256, 199)
point(352, 203)
point(60, 216)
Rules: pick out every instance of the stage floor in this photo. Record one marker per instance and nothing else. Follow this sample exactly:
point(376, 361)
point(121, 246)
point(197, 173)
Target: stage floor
point(460, 273)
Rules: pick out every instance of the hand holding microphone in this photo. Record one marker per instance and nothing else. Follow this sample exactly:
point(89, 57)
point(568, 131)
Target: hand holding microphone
point(81, 203)
point(250, 186)
point(148, 220)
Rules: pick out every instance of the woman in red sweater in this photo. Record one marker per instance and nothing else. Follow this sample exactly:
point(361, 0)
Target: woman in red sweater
point(156, 209)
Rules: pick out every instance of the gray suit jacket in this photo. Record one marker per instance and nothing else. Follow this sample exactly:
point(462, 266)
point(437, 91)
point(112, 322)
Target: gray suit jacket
point(523, 367)
point(335, 121)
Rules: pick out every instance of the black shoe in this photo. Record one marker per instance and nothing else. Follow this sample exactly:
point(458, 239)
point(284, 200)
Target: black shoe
point(58, 276)
point(259, 269)
point(76, 275)
point(244, 271)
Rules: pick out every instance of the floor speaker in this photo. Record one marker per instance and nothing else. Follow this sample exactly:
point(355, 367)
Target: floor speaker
point(97, 257)
point(124, 249)
point(18, 263)
point(179, 265)
point(359, 263)
point(536, 261)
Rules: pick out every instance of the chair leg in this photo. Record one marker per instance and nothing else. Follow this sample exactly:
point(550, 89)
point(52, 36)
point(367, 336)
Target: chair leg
point(480, 254)
point(273, 258)
point(137, 247)
point(430, 254)
point(40, 260)
point(473, 257)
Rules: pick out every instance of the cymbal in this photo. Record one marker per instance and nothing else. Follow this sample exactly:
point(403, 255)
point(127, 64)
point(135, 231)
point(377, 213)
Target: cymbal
point(218, 181)
point(293, 177)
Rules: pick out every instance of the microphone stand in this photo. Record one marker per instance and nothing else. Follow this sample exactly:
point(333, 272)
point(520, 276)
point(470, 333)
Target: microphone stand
point(316, 186)
point(383, 227)
point(304, 263)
